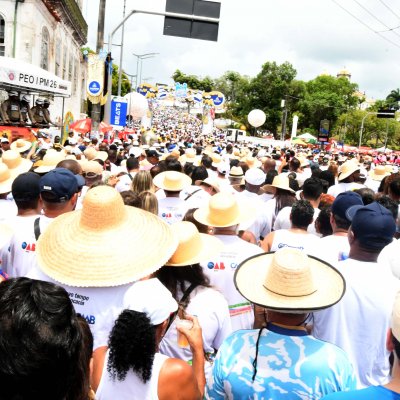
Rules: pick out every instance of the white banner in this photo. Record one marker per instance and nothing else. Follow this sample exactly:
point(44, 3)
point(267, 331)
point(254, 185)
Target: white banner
point(24, 75)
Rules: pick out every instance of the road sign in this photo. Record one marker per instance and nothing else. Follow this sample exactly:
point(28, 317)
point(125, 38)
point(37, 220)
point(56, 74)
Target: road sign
point(386, 113)
point(119, 109)
point(323, 134)
point(192, 28)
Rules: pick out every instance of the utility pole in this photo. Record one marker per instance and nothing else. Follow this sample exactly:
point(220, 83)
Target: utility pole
point(284, 118)
point(121, 53)
point(100, 26)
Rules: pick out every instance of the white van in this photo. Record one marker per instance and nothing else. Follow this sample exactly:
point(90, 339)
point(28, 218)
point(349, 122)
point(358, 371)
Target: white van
point(235, 135)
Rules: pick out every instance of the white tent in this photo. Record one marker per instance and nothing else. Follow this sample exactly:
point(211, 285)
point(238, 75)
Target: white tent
point(19, 75)
point(384, 150)
point(307, 136)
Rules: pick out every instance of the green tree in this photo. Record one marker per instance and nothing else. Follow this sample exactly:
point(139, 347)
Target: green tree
point(125, 82)
point(393, 99)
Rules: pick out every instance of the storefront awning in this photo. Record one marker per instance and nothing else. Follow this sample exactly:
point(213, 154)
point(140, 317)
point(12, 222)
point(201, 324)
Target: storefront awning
point(18, 75)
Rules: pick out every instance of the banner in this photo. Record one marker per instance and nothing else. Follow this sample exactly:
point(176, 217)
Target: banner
point(119, 110)
point(95, 78)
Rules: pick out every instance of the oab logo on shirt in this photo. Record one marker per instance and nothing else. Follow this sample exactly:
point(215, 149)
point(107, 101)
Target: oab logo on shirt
point(220, 265)
point(28, 246)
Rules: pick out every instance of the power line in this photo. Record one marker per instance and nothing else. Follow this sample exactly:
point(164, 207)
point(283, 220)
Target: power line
point(388, 30)
point(367, 26)
point(396, 15)
point(374, 16)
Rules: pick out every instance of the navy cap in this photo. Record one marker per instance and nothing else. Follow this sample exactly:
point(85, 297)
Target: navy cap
point(58, 185)
point(373, 225)
point(344, 201)
point(26, 187)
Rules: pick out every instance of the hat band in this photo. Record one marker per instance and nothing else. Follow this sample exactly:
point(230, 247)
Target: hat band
point(288, 295)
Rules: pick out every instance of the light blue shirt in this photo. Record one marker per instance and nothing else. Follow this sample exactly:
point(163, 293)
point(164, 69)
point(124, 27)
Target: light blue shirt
point(291, 365)
point(370, 393)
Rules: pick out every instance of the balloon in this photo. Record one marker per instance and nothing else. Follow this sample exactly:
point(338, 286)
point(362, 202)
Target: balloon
point(138, 105)
point(256, 118)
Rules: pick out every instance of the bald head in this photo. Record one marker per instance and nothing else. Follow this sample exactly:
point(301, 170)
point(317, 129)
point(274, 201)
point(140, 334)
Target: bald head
point(72, 165)
point(269, 165)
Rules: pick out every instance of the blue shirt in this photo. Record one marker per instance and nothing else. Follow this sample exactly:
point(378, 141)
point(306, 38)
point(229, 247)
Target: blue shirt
point(291, 365)
point(370, 393)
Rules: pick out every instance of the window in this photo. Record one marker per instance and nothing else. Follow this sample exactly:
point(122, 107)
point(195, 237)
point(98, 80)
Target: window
point(65, 53)
point(44, 56)
point(58, 57)
point(70, 67)
point(75, 85)
point(2, 36)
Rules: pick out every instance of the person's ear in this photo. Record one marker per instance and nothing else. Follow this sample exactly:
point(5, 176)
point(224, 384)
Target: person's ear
point(351, 237)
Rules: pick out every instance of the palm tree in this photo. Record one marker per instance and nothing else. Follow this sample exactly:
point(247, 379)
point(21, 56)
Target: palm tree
point(393, 99)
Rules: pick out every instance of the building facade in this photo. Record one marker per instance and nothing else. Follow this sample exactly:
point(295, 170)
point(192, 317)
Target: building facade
point(48, 34)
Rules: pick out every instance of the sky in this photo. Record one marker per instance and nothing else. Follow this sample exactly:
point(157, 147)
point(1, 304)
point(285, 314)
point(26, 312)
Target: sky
point(315, 36)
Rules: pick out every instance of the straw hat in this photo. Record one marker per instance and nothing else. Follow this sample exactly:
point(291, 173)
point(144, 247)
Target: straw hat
point(210, 182)
point(289, 281)
point(104, 244)
point(193, 246)
point(146, 165)
point(21, 145)
point(6, 232)
point(6, 179)
point(252, 162)
point(224, 210)
point(15, 163)
point(91, 167)
point(49, 162)
point(378, 173)
point(102, 155)
point(280, 182)
point(236, 172)
point(90, 153)
point(347, 168)
point(172, 180)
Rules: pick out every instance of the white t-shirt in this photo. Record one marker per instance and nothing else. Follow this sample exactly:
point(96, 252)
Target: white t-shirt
point(344, 187)
point(172, 209)
point(194, 197)
point(132, 387)
point(282, 220)
point(284, 238)
point(360, 321)
point(212, 311)
point(372, 184)
point(8, 210)
point(221, 269)
point(390, 255)
point(333, 248)
point(100, 306)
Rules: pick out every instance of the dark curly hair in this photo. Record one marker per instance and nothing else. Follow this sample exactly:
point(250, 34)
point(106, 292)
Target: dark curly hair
point(132, 345)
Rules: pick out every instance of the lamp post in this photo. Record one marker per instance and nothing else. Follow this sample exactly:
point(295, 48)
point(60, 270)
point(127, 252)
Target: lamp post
point(141, 57)
point(129, 106)
point(362, 127)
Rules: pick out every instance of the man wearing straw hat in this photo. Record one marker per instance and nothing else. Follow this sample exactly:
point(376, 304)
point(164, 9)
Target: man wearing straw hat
point(97, 253)
point(360, 321)
point(224, 214)
point(348, 176)
point(281, 360)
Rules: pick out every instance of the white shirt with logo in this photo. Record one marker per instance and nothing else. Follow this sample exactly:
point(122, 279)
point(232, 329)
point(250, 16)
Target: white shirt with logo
point(171, 209)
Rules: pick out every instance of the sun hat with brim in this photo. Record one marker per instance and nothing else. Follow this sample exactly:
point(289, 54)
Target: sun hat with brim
point(252, 162)
point(279, 182)
point(102, 155)
point(236, 172)
point(173, 181)
point(90, 153)
point(378, 173)
point(210, 182)
point(21, 145)
point(6, 179)
point(15, 163)
point(289, 281)
point(224, 210)
point(347, 168)
point(49, 162)
point(6, 232)
point(104, 244)
point(193, 246)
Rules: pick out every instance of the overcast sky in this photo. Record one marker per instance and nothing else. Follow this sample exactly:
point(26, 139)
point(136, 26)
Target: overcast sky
point(313, 35)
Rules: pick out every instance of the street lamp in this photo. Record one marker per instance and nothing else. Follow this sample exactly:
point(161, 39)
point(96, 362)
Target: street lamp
point(141, 57)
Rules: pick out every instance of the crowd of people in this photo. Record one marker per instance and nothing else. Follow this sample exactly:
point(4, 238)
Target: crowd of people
point(172, 265)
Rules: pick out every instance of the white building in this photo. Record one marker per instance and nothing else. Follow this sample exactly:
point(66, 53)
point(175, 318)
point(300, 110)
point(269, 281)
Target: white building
point(48, 34)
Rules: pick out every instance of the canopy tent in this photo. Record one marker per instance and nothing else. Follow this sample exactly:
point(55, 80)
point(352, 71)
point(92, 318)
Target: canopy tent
point(21, 76)
point(384, 150)
point(85, 125)
point(307, 137)
point(299, 141)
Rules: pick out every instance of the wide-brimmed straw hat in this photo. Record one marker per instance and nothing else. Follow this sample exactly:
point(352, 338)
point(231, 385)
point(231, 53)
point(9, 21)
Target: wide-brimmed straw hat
point(173, 181)
point(210, 182)
point(289, 281)
point(193, 246)
point(347, 168)
point(280, 182)
point(236, 172)
point(49, 162)
point(104, 244)
point(224, 210)
point(15, 163)
point(378, 173)
point(102, 155)
point(90, 153)
point(21, 145)
point(6, 179)
point(252, 162)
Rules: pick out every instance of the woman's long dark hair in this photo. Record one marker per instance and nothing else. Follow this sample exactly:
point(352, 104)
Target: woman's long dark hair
point(132, 345)
point(177, 279)
point(283, 198)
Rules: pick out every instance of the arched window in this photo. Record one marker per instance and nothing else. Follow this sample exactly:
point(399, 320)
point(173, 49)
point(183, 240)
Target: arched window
point(58, 57)
point(2, 36)
point(44, 56)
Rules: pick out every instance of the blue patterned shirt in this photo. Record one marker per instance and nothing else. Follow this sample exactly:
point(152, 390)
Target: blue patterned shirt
point(290, 365)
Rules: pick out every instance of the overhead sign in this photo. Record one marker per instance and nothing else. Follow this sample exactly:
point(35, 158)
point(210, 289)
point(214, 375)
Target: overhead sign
point(323, 134)
point(386, 113)
point(119, 110)
point(30, 77)
point(94, 88)
point(181, 90)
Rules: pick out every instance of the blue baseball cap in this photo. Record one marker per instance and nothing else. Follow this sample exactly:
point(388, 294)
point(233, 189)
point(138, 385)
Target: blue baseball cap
point(373, 225)
point(59, 185)
point(344, 201)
